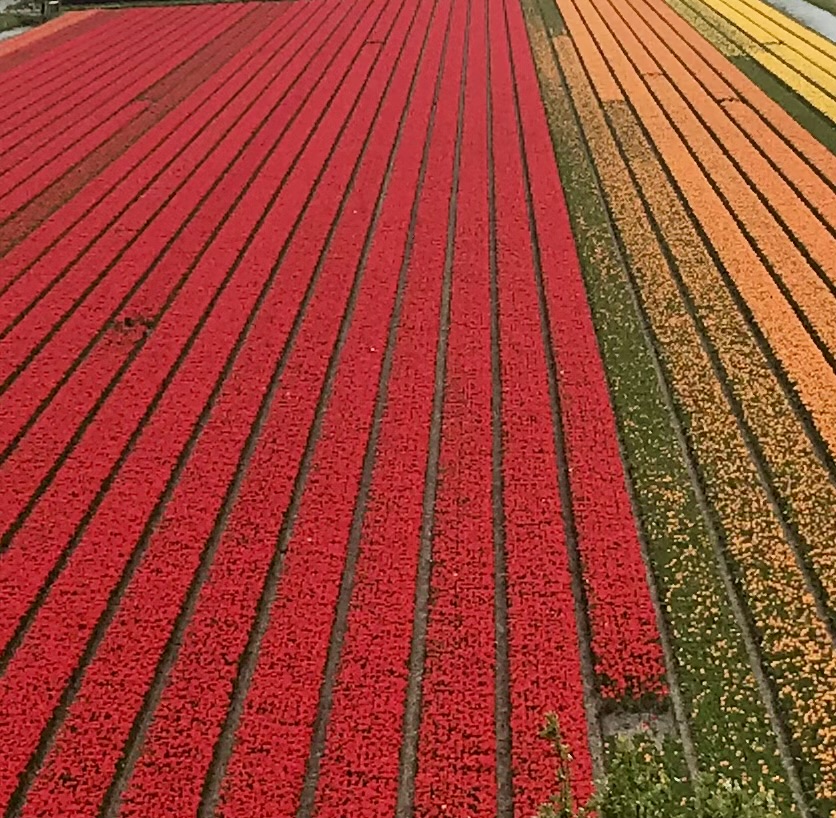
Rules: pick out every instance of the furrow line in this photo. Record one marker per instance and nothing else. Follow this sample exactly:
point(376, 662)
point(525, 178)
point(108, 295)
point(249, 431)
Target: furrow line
point(755, 555)
point(60, 106)
point(31, 175)
point(102, 523)
point(805, 523)
point(167, 271)
point(325, 484)
point(495, 118)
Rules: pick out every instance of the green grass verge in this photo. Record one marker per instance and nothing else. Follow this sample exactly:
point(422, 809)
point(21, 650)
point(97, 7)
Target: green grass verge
point(730, 726)
point(800, 110)
point(552, 19)
point(717, 31)
point(827, 5)
point(10, 20)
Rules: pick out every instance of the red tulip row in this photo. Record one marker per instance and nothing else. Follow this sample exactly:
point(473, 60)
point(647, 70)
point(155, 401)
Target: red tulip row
point(39, 297)
point(42, 151)
point(457, 744)
point(201, 68)
point(365, 729)
point(544, 653)
point(110, 429)
point(99, 55)
point(142, 264)
point(273, 738)
point(625, 639)
point(227, 341)
point(47, 46)
point(104, 198)
point(30, 688)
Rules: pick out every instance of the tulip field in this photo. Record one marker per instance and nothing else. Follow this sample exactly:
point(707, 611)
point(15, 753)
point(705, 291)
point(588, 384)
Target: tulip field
point(378, 377)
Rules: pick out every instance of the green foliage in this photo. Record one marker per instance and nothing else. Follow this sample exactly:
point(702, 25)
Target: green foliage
point(720, 797)
point(10, 20)
point(561, 804)
point(640, 783)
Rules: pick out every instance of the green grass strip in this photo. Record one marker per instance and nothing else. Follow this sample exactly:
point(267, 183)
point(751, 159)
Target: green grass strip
point(803, 113)
point(10, 20)
point(827, 5)
point(548, 15)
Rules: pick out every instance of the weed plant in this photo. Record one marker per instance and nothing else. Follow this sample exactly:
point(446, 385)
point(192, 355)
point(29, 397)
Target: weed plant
point(640, 783)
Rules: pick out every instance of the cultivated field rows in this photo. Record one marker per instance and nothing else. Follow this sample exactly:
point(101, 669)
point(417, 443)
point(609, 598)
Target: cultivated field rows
point(377, 377)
